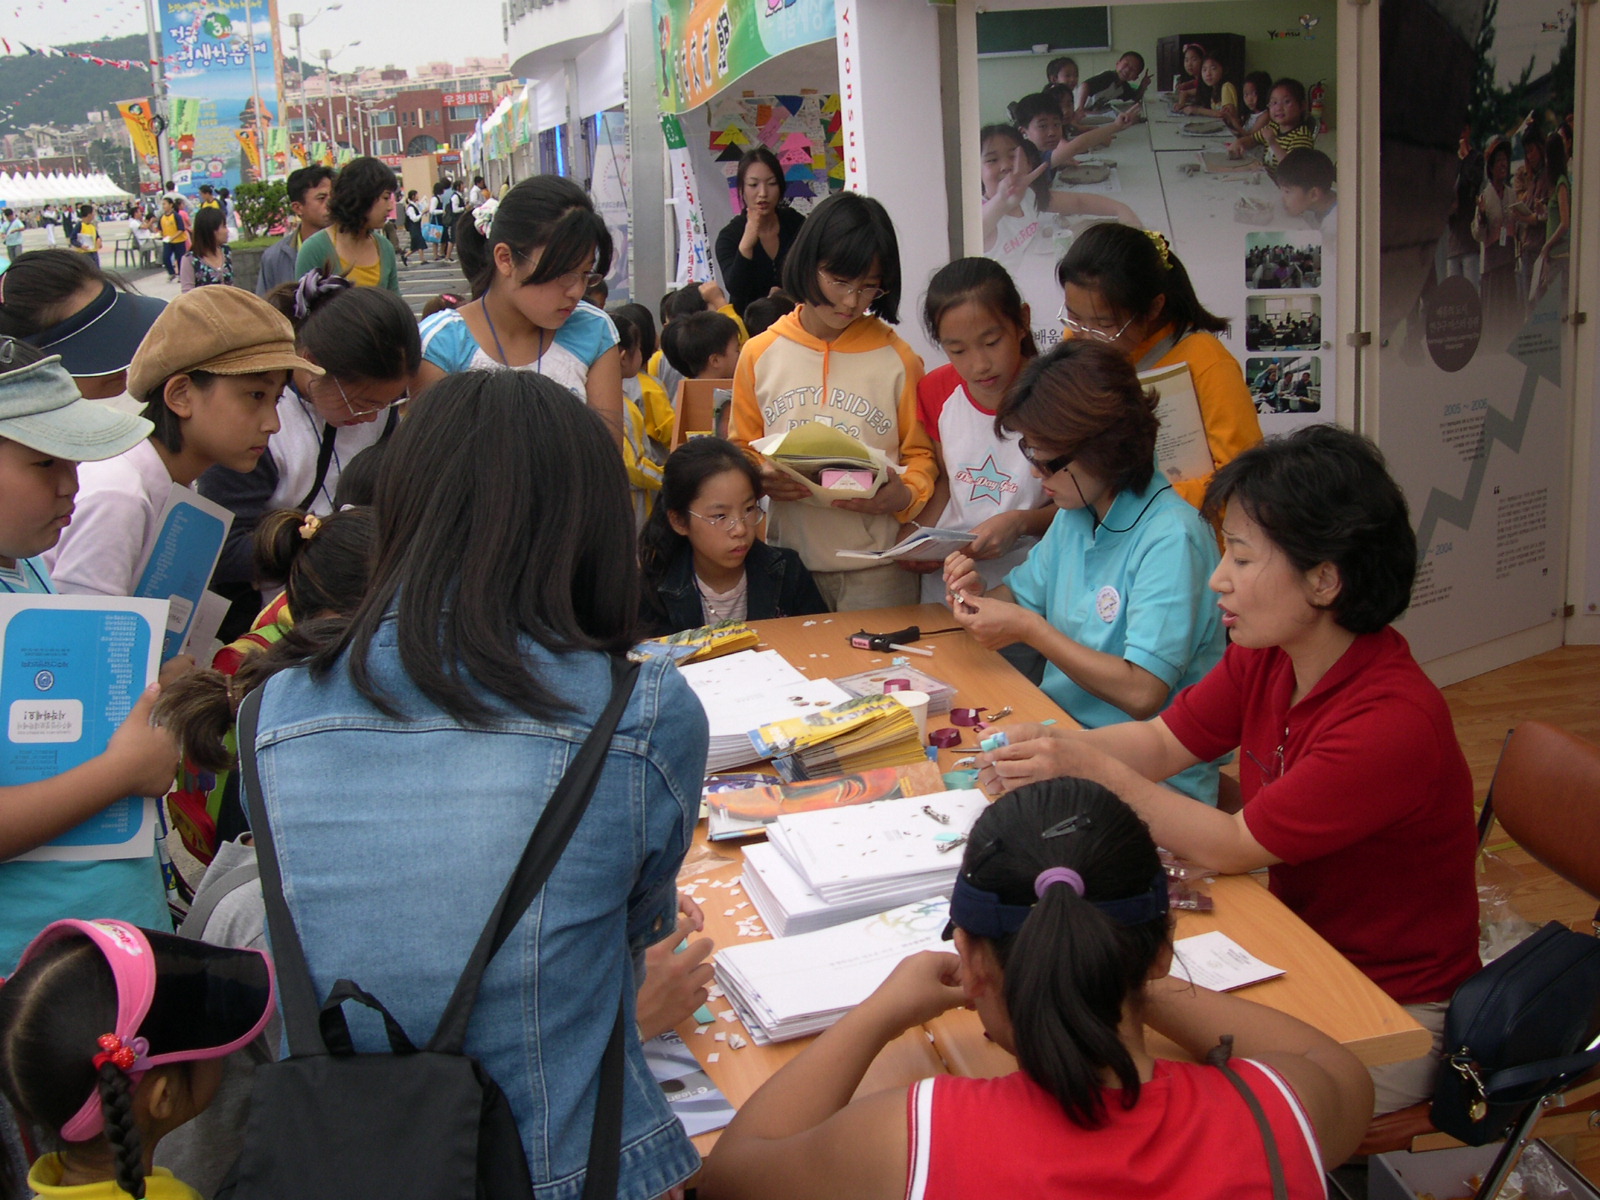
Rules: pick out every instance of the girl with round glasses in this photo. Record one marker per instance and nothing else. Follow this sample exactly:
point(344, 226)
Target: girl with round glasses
point(365, 340)
point(1126, 288)
point(702, 552)
point(1114, 594)
point(542, 248)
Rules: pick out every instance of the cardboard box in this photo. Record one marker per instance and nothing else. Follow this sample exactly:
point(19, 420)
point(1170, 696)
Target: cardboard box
point(1446, 1174)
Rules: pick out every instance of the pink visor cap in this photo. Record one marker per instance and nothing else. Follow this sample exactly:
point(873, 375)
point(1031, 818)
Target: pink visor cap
point(178, 1000)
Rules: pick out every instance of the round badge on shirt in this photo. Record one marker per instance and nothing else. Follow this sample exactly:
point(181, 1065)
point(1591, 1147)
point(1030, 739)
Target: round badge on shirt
point(1107, 603)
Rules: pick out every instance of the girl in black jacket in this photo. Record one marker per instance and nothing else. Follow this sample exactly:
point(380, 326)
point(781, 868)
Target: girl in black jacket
point(701, 557)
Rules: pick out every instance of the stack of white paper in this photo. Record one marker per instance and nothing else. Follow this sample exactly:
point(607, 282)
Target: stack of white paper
point(801, 985)
point(1214, 960)
point(743, 691)
point(832, 866)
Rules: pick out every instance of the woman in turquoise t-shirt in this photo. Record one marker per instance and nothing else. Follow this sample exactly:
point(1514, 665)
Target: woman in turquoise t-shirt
point(1115, 594)
point(49, 429)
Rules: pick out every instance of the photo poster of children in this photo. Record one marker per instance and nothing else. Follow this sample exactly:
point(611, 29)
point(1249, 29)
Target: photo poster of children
point(1475, 229)
point(1158, 128)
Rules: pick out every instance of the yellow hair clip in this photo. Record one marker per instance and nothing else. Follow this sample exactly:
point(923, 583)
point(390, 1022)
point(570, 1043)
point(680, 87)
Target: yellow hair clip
point(1159, 240)
point(309, 527)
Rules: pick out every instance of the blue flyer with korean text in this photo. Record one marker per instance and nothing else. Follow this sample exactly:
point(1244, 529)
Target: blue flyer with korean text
point(71, 668)
point(181, 559)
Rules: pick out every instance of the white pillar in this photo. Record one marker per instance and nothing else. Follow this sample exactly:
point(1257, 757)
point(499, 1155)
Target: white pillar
point(899, 41)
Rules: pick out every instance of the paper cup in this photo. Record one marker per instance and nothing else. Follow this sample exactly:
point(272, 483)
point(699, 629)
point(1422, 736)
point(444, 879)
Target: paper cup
point(917, 702)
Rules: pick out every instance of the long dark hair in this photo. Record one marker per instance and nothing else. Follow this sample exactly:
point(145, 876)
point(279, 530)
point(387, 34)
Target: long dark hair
point(764, 156)
point(978, 281)
point(1131, 270)
point(208, 223)
point(51, 1013)
point(327, 572)
point(352, 332)
point(502, 514)
point(545, 213)
point(1083, 398)
point(1262, 82)
point(686, 470)
point(1071, 969)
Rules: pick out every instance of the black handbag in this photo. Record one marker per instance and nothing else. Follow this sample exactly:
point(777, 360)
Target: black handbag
point(327, 1123)
point(1516, 1030)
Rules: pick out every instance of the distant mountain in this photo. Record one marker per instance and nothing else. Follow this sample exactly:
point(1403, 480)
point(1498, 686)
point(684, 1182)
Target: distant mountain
point(40, 90)
point(62, 91)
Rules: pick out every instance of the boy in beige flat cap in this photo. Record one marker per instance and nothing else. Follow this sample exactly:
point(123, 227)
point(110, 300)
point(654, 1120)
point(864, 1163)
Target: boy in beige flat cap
point(210, 371)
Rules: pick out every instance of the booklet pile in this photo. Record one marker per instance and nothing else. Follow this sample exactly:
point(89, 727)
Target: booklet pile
point(801, 985)
point(835, 865)
point(740, 691)
point(742, 805)
point(857, 735)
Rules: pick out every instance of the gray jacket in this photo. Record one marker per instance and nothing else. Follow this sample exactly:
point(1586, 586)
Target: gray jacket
point(277, 264)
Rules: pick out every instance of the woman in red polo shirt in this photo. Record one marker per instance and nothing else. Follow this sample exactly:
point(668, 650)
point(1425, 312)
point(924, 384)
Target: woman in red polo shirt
point(1356, 794)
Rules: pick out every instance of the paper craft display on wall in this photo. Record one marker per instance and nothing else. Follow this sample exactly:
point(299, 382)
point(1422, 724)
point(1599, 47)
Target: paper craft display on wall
point(801, 130)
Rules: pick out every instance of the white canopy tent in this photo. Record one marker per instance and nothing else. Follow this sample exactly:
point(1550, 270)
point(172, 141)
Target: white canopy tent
point(28, 190)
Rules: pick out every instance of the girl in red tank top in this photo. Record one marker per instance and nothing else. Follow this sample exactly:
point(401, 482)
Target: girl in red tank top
point(1063, 945)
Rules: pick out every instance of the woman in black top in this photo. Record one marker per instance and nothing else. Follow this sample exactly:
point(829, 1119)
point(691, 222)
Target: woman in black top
point(751, 247)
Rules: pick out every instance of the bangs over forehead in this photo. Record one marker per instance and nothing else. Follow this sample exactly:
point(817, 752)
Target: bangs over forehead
point(578, 238)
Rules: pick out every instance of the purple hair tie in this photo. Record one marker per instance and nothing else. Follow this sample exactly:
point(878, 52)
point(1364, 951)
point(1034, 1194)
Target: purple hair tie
point(1052, 875)
point(315, 284)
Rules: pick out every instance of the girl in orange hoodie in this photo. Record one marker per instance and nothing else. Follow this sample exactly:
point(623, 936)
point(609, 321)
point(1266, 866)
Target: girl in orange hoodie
point(835, 360)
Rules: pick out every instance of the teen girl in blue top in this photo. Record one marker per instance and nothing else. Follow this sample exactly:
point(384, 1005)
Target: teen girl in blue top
point(543, 246)
point(1114, 596)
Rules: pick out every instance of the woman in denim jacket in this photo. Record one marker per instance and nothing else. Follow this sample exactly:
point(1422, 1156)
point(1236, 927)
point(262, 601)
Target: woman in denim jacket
point(404, 765)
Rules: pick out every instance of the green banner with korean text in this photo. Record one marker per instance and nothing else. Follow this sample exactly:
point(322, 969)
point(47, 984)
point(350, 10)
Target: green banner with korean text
point(703, 46)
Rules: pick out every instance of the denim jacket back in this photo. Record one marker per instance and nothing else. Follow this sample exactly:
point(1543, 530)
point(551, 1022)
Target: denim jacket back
point(396, 836)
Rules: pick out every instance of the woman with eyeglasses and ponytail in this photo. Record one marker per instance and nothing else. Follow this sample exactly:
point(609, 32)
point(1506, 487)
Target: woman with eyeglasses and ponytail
point(541, 249)
point(365, 340)
point(1063, 946)
point(1114, 595)
point(1127, 288)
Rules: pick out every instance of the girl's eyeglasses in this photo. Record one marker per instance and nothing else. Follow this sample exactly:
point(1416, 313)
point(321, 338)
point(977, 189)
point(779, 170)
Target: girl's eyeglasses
point(366, 410)
point(728, 522)
point(1077, 326)
point(571, 279)
point(844, 288)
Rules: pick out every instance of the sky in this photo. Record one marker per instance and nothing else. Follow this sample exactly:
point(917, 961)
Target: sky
point(405, 33)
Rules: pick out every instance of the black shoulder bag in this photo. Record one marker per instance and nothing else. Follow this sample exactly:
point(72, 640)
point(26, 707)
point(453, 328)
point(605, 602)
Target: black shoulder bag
point(327, 1123)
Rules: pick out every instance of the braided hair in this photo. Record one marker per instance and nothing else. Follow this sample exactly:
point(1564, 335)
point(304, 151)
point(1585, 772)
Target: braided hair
point(52, 1013)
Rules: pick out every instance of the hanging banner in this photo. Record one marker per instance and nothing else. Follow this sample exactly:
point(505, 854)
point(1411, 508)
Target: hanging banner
point(1475, 231)
point(694, 253)
point(209, 47)
point(611, 186)
point(136, 115)
point(705, 45)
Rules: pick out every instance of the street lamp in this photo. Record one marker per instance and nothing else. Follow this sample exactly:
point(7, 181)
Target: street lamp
point(255, 96)
point(297, 22)
point(327, 84)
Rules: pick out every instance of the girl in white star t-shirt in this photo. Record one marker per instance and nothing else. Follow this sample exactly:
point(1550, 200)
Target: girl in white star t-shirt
point(976, 316)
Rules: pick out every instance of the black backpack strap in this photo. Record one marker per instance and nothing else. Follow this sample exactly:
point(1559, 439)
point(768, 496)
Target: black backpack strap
point(1218, 1057)
point(330, 434)
point(297, 996)
point(605, 1137)
point(1545, 1072)
point(545, 846)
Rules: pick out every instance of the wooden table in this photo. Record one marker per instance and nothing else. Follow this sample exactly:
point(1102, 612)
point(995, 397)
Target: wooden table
point(1319, 985)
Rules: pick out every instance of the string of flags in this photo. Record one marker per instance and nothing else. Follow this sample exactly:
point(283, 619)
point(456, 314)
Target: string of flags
point(122, 64)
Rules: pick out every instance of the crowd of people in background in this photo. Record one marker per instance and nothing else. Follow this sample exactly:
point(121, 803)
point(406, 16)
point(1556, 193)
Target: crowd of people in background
point(448, 535)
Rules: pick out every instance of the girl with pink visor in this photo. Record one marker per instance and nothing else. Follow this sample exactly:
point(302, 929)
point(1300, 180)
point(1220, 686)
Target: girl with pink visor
point(112, 1036)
